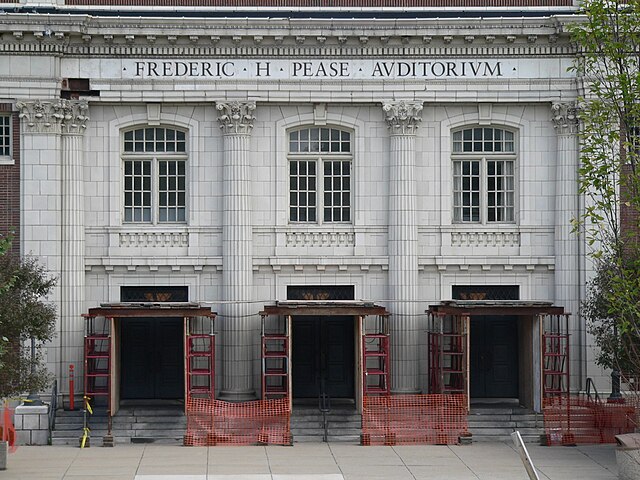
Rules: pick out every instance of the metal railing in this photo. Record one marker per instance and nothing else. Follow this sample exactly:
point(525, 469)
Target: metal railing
point(53, 405)
point(324, 405)
point(588, 387)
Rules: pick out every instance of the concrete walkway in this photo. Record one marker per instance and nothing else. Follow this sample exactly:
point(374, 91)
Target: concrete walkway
point(309, 461)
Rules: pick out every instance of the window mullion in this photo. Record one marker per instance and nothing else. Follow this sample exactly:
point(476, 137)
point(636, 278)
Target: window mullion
point(320, 190)
point(484, 191)
point(155, 184)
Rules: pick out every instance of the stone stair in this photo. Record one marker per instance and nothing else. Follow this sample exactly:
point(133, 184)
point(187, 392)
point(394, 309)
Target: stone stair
point(132, 424)
point(343, 422)
point(489, 423)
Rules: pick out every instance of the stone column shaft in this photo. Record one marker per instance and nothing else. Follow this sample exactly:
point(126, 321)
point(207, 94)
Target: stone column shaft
point(72, 278)
point(402, 119)
point(239, 328)
point(567, 255)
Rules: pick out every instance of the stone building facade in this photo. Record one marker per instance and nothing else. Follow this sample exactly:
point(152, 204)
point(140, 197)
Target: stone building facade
point(402, 154)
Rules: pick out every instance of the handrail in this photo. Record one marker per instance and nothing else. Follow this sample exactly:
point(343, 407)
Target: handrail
point(324, 405)
point(53, 405)
point(595, 390)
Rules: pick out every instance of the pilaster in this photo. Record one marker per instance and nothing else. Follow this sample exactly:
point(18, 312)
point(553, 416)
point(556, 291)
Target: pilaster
point(403, 119)
point(239, 327)
point(54, 228)
point(567, 268)
point(41, 191)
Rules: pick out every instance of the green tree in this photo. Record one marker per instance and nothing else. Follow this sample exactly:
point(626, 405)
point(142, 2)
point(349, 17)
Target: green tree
point(607, 38)
point(24, 314)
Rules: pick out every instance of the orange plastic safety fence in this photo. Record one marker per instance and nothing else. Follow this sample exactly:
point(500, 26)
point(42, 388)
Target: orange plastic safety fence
point(7, 429)
point(436, 419)
point(214, 422)
point(581, 420)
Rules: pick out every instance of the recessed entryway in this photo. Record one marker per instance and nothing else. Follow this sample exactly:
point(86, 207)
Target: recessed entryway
point(323, 357)
point(151, 358)
point(494, 357)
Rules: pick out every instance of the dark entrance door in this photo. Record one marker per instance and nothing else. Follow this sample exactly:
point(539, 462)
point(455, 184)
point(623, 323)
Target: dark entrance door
point(494, 357)
point(151, 358)
point(323, 357)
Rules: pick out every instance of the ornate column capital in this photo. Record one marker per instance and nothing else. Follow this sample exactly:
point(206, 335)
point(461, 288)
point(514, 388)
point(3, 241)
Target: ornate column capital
point(74, 116)
point(565, 117)
point(402, 117)
point(236, 117)
point(54, 116)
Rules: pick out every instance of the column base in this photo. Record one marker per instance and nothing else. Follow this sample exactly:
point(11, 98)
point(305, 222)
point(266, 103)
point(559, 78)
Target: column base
point(405, 391)
point(237, 397)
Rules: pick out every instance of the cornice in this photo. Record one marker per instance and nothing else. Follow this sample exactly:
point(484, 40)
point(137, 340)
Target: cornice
point(96, 36)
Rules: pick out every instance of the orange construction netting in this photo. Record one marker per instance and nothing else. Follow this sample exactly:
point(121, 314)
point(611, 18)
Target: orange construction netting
point(434, 419)
point(261, 422)
point(582, 420)
point(7, 429)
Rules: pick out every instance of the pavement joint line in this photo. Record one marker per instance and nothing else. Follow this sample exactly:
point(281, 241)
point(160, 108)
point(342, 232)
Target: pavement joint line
point(594, 460)
point(463, 462)
point(266, 453)
point(335, 460)
point(71, 463)
point(403, 463)
point(144, 450)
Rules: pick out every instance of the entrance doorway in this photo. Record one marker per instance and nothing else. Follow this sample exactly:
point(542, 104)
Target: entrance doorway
point(494, 357)
point(152, 358)
point(323, 357)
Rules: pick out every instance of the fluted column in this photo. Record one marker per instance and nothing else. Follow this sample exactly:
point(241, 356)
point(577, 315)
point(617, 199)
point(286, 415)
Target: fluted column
point(72, 278)
point(567, 273)
point(239, 327)
point(403, 119)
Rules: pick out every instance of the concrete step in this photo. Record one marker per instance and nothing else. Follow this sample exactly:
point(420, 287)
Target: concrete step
point(496, 423)
point(130, 425)
point(343, 424)
point(510, 424)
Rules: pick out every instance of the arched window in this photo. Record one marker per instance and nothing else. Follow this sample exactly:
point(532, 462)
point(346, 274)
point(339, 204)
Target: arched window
point(320, 175)
point(484, 161)
point(154, 163)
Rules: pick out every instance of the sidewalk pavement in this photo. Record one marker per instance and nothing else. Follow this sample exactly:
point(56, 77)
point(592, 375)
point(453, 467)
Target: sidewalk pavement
point(310, 461)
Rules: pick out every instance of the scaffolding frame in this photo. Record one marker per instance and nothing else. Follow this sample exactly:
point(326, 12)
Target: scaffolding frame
point(200, 350)
point(101, 339)
point(448, 343)
point(375, 358)
point(556, 374)
point(276, 358)
point(97, 358)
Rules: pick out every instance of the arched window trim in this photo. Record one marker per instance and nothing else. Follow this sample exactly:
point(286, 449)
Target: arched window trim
point(154, 172)
point(484, 174)
point(320, 174)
